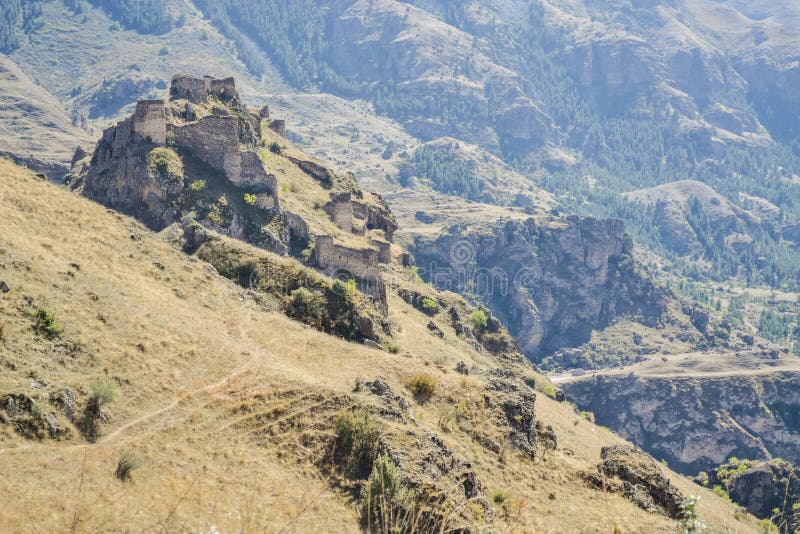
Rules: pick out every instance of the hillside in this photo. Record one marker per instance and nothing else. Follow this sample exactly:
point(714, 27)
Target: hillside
point(605, 189)
point(223, 399)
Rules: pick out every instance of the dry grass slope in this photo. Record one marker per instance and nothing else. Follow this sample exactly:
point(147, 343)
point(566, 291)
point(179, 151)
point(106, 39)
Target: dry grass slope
point(230, 406)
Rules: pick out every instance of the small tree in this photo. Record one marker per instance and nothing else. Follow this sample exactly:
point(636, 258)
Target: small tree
point(689, 520)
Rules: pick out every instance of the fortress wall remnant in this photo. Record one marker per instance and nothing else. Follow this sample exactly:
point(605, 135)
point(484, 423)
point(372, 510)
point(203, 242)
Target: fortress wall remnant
point(340, 210)
point(150, 121)
point(384, 252)
point(331, 257)
point(197, 90)
point(215, 140)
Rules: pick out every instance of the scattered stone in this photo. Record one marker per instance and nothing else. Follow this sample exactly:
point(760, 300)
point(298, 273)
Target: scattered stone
point(4, 287)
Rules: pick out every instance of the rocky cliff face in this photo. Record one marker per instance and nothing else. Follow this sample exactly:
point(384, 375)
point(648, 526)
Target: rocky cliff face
point(762, 487)
point(698, 423)
point(550, 282)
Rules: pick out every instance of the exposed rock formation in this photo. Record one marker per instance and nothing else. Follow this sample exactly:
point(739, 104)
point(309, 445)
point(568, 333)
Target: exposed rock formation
point(697, 423)
point(551, 284)
point(762, 487)
point(637, 476)
point(195, 153)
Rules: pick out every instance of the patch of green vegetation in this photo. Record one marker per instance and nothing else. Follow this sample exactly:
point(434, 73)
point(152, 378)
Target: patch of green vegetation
point(46, 324)
point(250, 199)
point(198, 185)
point(478, 319)
point(430, 306)
point(144, 16)
point(446, 171)
point(166, 163)
point(356, 442)
point(422, 387)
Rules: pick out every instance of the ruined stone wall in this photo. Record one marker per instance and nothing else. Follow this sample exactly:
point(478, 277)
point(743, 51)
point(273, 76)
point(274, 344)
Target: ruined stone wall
point(340, 210)
point(361, 263)
point(360, 210)
point(214, 140)
point(253, 176)
point(331, 257)
point(384, 252)
point(197, 90)
point(150, 121)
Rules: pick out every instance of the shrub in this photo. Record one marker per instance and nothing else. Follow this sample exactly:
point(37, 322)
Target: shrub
point(127, 463)
point(549, 390)
point(250, 199)
point(430, 306)
point(165, 162)
point(422, 386)
point(307, 306)
point(589, 416)
point(478, 319)
point(393, 349)
point(452, 415)
point(386, 503)
point(163, 51)
point(47, 324)
point(101, 393)
point(275, 148)
point(356, 443)
point(344, 287)
point(198, 185)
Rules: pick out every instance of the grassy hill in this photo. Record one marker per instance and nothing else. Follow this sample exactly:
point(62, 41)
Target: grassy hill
point(229, 407)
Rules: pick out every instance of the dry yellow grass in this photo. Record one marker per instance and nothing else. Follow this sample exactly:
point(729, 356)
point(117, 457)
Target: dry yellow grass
point(228, 405)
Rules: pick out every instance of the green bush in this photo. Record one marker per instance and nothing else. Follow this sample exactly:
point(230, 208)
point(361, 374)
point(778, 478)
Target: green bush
point(250, 199)
point(127, 463)
point(479, 319)
point(589, 416)
point(165, 162)
point(422, 386)
point(47, 324)
point(356, 443)
point(275, 148)
point(549, 390)
point(430, 306)
point(198, 185)
point(307, 306)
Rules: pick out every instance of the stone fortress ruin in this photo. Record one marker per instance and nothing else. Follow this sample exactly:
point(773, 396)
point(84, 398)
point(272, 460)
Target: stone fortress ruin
point(206, 126)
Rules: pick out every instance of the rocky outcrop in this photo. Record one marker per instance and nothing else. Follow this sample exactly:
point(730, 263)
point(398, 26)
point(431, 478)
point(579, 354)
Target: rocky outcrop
point(636, 475)
point(194, 154)
point(762, 487)
point(697, 423)
point(550, 283)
